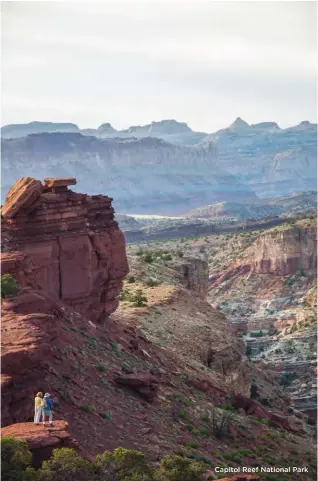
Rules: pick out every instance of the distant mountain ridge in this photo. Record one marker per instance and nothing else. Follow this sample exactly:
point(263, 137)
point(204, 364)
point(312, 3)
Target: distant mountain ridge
point(165, 167)
point(146, 175)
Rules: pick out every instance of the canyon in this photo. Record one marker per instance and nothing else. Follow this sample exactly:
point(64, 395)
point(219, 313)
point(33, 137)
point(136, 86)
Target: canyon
point(128, 341)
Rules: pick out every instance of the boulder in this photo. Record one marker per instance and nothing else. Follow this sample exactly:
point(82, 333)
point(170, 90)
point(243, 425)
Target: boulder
point(143, 383)
point(290, 423)
point(41, 440)
point(59, 182)
point(250, 406)
point(22, 195)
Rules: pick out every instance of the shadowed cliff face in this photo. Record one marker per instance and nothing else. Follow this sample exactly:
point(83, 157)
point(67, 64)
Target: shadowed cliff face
point(70, 247)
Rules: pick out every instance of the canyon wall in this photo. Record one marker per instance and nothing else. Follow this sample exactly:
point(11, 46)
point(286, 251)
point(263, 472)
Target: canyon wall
point(286, 250)
point(65, 244)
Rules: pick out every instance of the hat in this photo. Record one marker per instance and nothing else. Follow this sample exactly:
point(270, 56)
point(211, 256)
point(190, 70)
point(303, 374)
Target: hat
point(47, 394)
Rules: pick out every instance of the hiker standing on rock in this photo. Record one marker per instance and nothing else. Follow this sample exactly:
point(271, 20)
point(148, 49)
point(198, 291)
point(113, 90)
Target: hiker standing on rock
point(38, 407)
point(47, 405)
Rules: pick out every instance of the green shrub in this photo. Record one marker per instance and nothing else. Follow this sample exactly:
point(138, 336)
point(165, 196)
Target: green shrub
point(257, 334)
point(87, 408)
point(248, 351)
point(192, 444)
point(149, 257)
point(16, 460)
point(100, 367)
point(131, 279)
point(105, 415)
point(124, 295)
point(177, 468)
point(122, 465)
point(65, 465)
point(9, 286)
point(139, 299)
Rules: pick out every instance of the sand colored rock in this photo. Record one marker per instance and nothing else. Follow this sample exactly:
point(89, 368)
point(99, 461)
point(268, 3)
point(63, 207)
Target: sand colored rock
point(41, 440)
point(22, 195)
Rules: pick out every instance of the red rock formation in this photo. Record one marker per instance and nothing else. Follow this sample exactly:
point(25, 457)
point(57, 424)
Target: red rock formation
point(143, 383)
point(60, 182)
point(23, 194)
point(41, 440)
point(70, 247)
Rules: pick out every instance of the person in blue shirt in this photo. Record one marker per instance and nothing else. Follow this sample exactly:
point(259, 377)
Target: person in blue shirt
point(47, 406)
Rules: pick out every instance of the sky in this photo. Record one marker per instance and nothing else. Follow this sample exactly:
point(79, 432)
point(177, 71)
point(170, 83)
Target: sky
point(131, 62)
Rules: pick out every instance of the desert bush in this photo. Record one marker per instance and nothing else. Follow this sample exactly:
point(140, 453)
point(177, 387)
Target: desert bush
point(16, 460)
point(177, 468)
point(122, 465)
point(100, 367)
point(131, 279)
point(125, 295)
point(65, 465)
point(9, 286)
point(87, 408)
point(139, 299)
point(257, 334)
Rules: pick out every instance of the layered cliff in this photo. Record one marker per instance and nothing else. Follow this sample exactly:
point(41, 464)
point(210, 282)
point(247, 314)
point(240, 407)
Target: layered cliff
point(65, 244)
point(286, 249)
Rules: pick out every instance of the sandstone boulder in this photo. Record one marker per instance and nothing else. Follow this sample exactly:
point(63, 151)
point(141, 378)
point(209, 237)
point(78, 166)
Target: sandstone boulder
point(250, 406)
point(59, 182)
point(41, 440)
point(143, 383)
point(22, 195)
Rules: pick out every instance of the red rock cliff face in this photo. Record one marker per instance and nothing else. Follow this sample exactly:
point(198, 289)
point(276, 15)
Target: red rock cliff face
point(69, 246)
point(285, 251)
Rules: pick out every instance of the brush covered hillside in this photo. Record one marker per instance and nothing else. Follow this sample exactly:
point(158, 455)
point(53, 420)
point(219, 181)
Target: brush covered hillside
point(165, 167)
point(139, 359)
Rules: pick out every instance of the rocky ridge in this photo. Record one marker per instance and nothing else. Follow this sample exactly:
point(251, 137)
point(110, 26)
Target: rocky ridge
point(242, 160)
point(143, 175)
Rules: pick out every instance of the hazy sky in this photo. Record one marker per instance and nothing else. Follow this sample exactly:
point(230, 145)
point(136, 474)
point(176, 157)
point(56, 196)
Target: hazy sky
point(130, 62)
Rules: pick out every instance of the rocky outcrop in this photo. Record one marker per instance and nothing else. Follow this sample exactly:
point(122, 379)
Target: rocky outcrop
point(22, 195)
point(284, 251)
point(146, 385)
point(69, 247)
point(194, 275)
point(41, 440)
